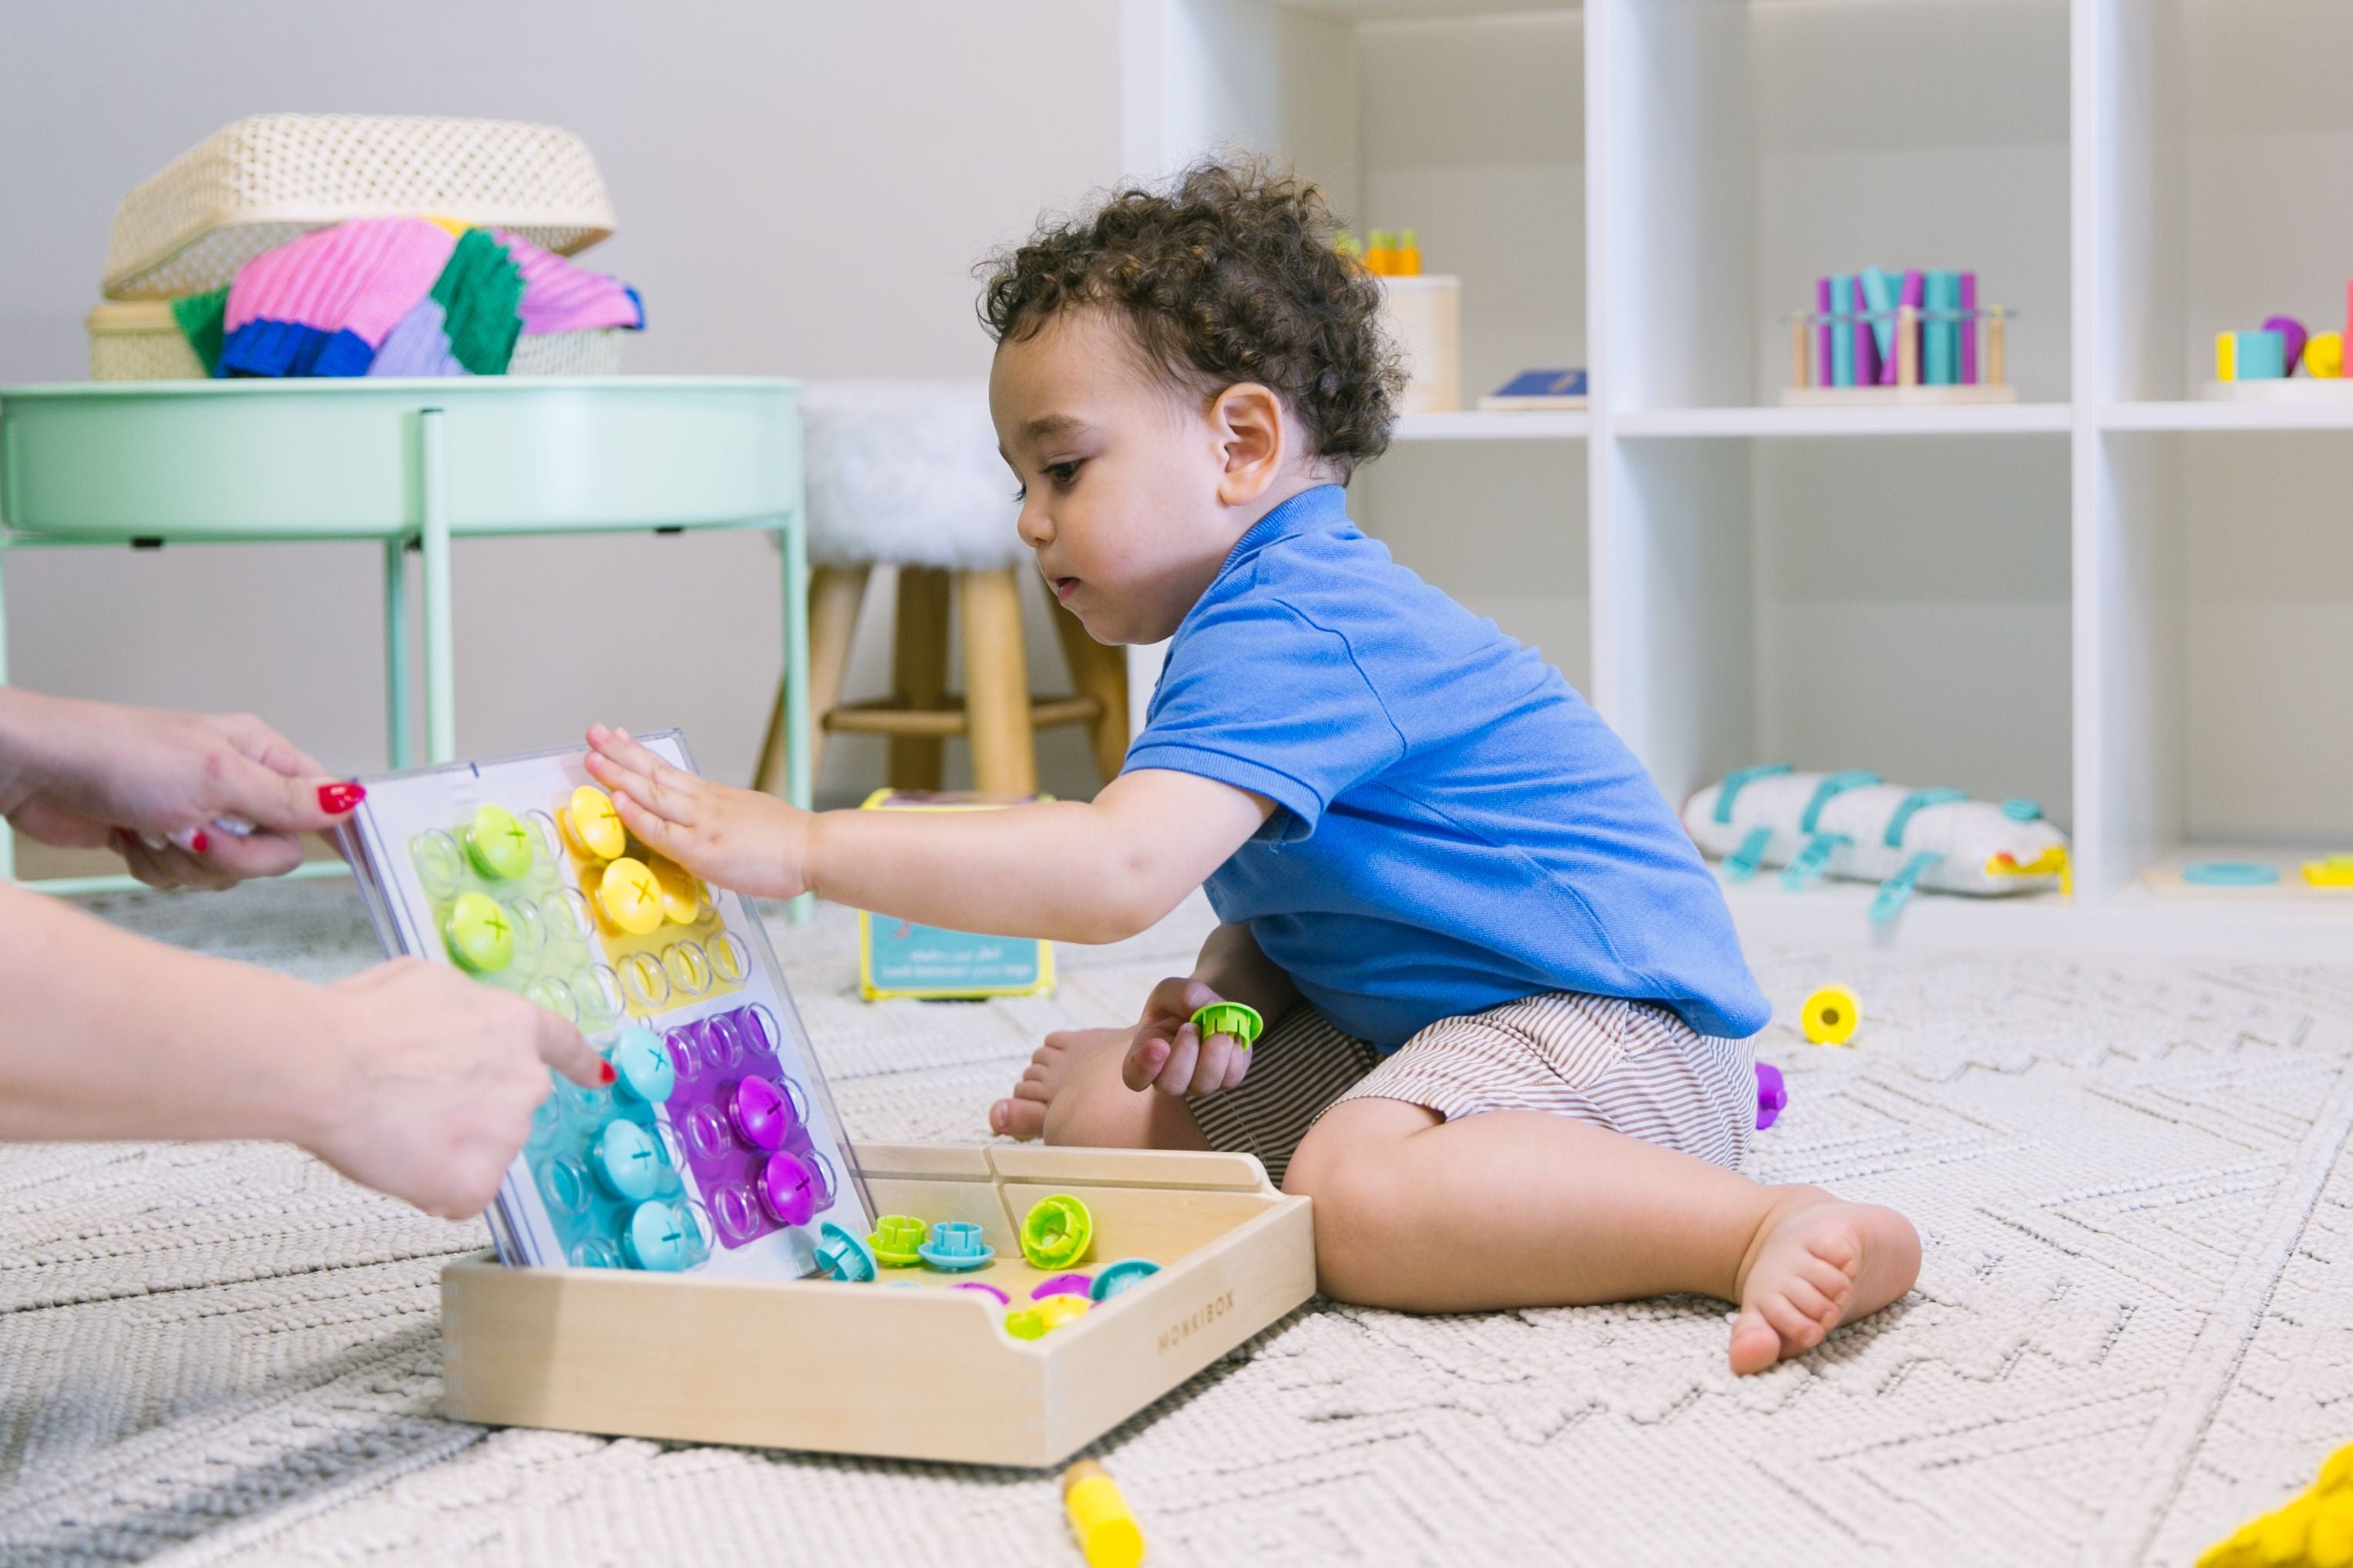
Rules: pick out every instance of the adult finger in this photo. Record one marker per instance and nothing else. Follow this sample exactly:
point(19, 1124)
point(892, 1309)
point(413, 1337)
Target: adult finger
point(170, 867)
point(252, 855)
point(278, 803)
point(270, 749)
point(563, 1047)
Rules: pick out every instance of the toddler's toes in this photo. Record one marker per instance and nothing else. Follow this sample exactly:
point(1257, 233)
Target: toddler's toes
point(1755, 1345)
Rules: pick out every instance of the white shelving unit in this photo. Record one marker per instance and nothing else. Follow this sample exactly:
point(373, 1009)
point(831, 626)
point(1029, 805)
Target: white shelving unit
point(2131, 604)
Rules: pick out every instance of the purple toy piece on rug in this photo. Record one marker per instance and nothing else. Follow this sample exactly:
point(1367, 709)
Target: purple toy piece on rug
point(1772, 1095)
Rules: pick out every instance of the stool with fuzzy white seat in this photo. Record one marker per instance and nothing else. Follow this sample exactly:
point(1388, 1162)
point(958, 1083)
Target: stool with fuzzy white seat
point(907, 474)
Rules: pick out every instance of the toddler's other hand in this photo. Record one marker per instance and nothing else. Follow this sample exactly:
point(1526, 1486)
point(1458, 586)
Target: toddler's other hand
point(439, 1081)
point(738, 838)
point(1168, 1053)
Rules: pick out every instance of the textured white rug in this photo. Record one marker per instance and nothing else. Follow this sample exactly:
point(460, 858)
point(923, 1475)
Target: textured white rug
point(2134, 1327)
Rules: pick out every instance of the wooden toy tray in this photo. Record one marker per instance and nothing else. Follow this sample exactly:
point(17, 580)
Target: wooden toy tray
point(922, 1374)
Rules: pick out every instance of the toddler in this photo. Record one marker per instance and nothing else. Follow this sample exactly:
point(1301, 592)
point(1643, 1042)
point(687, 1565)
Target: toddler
point(1505, 1005)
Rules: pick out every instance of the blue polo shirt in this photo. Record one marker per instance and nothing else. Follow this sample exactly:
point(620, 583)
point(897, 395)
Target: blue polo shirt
point(1457, 829)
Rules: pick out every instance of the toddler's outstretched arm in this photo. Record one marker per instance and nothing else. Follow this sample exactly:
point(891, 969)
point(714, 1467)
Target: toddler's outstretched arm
point(1089, 871)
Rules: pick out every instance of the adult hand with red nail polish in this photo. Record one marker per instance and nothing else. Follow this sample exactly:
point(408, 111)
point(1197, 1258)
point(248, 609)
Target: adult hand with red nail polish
point(154, 784)
point(439, 1077)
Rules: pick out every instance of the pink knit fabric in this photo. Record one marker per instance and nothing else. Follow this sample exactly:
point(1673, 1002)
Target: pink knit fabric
point(559, 296)
point(360, 277)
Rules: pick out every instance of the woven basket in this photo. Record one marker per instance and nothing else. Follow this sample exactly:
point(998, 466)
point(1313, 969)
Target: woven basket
point(262, 181)
point(139, 341)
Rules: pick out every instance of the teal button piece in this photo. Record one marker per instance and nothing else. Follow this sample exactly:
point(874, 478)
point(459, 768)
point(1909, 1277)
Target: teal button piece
point(1124, 1274)
point(956, 1246)
point(626, 1160)
point(842, 1256)
point(643, 1065)
point(662, 1238)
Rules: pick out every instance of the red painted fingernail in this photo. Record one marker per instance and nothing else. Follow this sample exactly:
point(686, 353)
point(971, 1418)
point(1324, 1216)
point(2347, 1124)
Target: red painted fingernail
point(200, 843)
point(605, 1073)
point(338, 798)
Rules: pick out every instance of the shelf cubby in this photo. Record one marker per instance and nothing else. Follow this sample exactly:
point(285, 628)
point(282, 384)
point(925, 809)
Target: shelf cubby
point(1900, 605)
point(2225, 126)
point(2116, 597)
point(1754, 147)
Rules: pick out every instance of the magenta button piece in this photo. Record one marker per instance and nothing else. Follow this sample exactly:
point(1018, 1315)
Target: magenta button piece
point(1002, 1299)
point(788, 1190)
point(762, 1113)
point(1063, 1285)
point(1772, 1095)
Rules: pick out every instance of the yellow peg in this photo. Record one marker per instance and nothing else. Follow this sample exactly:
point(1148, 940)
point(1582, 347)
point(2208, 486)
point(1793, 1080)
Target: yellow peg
point(1107, 1533)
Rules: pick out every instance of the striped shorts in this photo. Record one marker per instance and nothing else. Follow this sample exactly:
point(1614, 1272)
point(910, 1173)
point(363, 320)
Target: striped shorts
point(1629, 1067)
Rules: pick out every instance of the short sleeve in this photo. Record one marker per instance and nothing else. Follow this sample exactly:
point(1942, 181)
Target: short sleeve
point(1256, 695)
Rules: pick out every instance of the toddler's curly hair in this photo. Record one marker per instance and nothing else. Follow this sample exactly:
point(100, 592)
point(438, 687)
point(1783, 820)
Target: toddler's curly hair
point(1229, 275)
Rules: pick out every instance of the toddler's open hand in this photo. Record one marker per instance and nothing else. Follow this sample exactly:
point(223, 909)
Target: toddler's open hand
point(1168, 1053)
point(737, 838)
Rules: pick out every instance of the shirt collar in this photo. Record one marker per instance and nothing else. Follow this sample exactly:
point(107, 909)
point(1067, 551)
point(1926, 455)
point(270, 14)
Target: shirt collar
point(1325, 506)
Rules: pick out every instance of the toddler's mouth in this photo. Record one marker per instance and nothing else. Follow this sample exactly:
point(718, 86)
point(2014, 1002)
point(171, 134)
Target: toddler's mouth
point(1064, 586)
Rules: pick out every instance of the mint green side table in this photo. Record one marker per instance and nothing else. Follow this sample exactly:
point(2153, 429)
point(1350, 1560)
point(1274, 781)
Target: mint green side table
point(403, 462)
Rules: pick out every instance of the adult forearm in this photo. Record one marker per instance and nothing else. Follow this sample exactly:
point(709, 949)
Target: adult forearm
point(1060, 870)
point(106, 1035)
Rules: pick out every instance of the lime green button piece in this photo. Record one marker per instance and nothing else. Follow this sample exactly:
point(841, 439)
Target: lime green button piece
point(1057, 1232)
point(480, 937)
point(498, 845)
point(896, 1237)
point(1231, 1018)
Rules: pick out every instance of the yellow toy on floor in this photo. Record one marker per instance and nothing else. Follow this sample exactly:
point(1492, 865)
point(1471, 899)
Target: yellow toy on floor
point(2315, 1530)
point(1831, 1014)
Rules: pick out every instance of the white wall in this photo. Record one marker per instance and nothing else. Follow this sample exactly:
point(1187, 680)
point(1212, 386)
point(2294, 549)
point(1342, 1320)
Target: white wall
point(803, 189)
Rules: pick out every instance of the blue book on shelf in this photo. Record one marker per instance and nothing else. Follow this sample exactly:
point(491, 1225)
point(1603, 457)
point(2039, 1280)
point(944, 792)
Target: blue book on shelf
point(1940, 330)
point(1539, 389)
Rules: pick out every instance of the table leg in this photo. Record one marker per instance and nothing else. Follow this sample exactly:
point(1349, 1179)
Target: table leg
point(799, 777)
point(440, 680)
point(395, 653)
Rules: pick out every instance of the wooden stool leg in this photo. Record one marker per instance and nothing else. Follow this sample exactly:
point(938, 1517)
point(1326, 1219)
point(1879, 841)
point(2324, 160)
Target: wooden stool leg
point(1099, 671)
point(919, 672)
point(997, 683)
point(835, 594)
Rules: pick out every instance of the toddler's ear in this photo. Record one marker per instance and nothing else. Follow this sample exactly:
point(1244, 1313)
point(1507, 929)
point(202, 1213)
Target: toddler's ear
point(1252, 431)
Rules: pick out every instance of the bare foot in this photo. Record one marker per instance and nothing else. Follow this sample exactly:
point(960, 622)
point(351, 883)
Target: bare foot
point(1024, 1115)
point(1817, 1262)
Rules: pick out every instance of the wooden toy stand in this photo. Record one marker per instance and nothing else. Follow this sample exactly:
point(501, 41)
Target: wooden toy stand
point(925, 1373)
